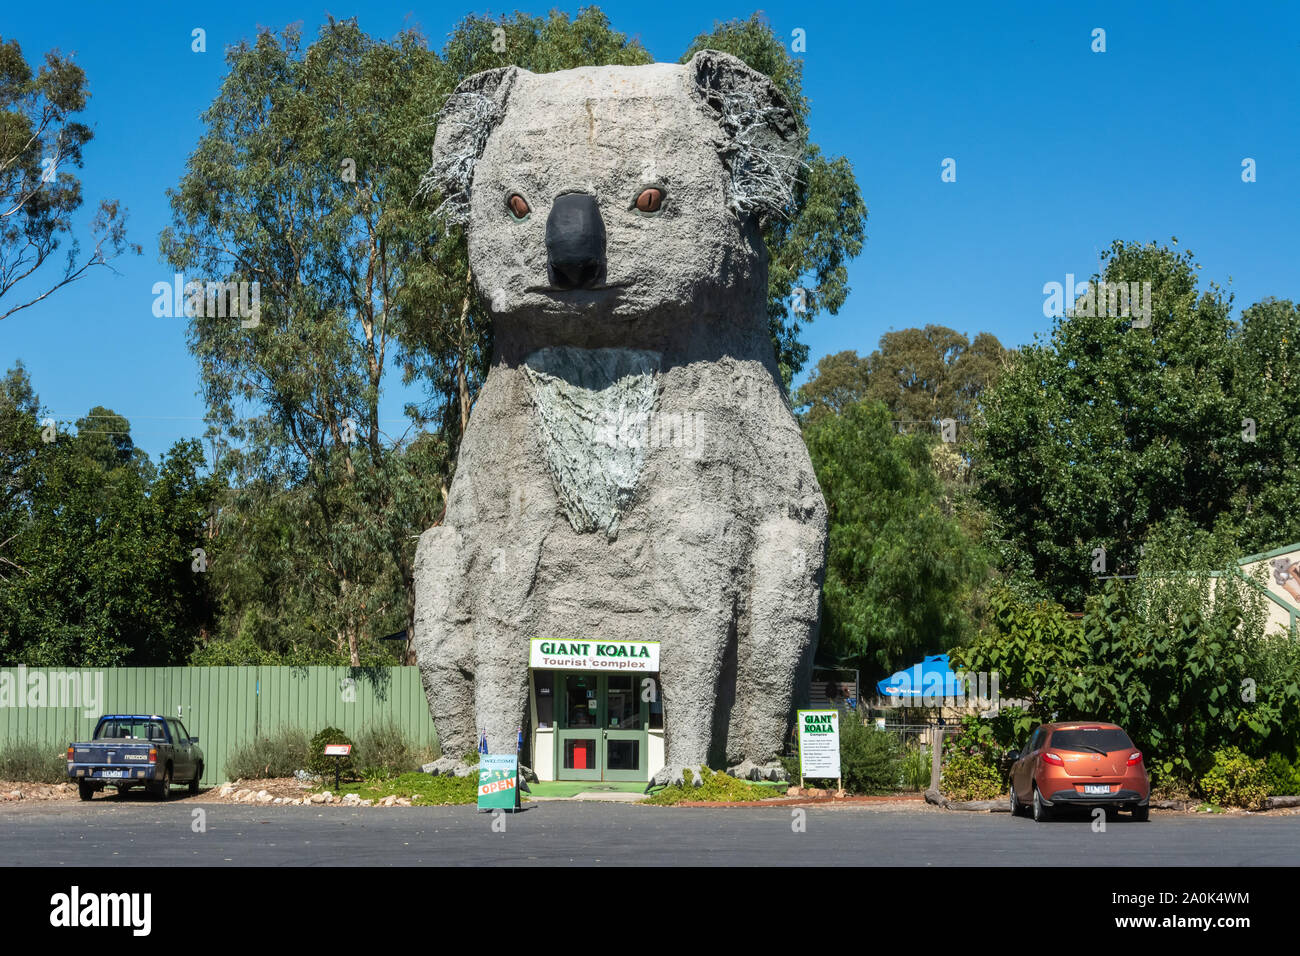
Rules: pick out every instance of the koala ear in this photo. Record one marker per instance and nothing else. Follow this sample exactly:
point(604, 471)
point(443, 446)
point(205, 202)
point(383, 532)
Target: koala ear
point(464, 123)
point(763, 148)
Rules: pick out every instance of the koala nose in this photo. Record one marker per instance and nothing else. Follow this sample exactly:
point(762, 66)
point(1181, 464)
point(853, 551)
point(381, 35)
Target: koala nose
point(575, 241)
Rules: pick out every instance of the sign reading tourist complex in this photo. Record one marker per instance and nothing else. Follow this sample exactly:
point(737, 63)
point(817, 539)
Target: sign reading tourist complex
point(498, 781)
point(594, 655)
point(819, 743)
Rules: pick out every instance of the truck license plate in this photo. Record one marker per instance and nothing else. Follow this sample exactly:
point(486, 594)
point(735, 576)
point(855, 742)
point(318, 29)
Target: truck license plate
point(112, 774)
point(1096, 788)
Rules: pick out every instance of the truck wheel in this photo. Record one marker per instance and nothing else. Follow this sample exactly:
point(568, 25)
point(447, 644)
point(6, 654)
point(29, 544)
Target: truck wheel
point(194, 784)
point(164, 788)
point(85, 790)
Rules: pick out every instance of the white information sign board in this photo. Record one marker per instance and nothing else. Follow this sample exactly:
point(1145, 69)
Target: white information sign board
point(819, 743)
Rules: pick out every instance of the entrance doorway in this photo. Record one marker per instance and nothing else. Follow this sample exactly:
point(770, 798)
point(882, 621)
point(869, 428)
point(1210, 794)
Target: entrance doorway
point(601, 724)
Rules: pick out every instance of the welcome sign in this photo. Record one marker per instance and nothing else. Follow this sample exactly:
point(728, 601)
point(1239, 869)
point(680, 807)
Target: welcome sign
point(498, 781)
point(547, 654)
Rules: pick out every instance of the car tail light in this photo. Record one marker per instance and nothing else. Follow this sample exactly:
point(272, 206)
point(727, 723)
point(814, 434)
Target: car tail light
point(1134, 758)
point(1054, 759)
point(153, 754)
point(69, 753)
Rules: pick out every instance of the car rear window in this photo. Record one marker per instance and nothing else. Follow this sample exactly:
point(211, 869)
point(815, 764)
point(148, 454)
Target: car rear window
point(1091, 739)
point(126, 729)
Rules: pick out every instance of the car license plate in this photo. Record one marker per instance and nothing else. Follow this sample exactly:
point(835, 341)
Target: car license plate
point(1096, 788)
point(112, 774)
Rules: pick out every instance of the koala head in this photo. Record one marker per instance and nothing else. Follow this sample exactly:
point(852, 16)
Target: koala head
point(601, 196)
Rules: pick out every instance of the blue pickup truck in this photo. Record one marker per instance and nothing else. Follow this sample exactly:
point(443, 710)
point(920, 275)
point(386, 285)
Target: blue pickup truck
point(131, 749)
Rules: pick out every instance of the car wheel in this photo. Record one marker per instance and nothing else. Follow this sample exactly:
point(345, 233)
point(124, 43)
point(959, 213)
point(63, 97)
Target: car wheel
point(194, 784)
point(1142, 814)
point(85, 790)
point(1016, 808)
point(1041, 812)
point(164, 788)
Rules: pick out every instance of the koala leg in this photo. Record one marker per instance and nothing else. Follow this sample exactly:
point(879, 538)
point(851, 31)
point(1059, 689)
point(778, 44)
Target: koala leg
point(444, 642)
point(689, 669)
point(776, 652)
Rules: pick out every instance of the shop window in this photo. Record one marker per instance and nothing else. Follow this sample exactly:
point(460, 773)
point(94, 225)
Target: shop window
point(544, 681)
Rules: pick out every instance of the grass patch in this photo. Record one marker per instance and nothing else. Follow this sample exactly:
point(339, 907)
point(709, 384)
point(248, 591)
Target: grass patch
point(570, 788)
point(431, 790)
point(27, 762)
point(718, 787)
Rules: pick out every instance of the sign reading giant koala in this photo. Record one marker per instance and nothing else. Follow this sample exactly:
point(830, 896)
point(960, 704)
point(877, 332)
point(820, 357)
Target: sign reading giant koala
point(631, 469)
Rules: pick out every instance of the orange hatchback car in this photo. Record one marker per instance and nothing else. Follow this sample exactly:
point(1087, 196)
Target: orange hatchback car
point(1079, 764)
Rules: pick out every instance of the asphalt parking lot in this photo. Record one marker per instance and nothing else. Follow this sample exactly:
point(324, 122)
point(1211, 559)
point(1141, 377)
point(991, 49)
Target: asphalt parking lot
point(573, 833)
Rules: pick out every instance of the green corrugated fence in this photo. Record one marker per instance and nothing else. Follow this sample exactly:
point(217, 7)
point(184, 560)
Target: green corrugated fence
point(222, 706)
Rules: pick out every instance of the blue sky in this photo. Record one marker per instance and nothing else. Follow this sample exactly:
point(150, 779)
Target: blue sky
point(1059, 150)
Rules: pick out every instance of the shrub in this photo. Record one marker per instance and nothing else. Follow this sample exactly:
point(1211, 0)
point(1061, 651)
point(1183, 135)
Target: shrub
point(716, 786)
point(870, 759)
point(278, 755)
point(969, 776)
point(1235, 780)
point(28, 762)
point(916, 767)
point(317, 762)
point(385, 751)
point(1283, 776)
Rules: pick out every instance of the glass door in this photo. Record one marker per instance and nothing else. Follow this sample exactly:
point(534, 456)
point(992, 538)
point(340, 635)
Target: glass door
point(626, 717)
point(577, 737)
point(601, 733)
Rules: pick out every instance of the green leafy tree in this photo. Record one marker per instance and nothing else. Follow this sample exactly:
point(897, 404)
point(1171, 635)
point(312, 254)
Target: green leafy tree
point(1100, 433)
point(900, 571)
point(922, 375)
point(1178, 657)
point(840, 380)
point(99, 565)
point(41, 142)
point(305, 181)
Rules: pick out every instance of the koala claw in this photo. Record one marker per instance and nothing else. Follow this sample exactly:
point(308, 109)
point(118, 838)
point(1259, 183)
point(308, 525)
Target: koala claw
point(449, 767)
point(748, 770)
point(668, 777)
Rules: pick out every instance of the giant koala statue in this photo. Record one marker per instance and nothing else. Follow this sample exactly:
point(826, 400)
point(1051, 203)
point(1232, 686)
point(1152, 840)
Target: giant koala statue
point(631, 469)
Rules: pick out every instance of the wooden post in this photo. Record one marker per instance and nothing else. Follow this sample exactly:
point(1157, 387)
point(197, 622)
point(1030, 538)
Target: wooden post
point(936, 749)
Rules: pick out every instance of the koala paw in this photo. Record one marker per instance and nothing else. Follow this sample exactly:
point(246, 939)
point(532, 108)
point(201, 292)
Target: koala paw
point(748, 770)
point(668, 777)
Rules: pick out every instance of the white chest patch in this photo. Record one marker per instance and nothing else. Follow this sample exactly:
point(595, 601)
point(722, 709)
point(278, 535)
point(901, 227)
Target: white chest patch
point(593, 410)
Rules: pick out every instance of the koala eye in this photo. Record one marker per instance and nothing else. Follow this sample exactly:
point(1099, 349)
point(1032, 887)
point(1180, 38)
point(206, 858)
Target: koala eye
point(650, 200)
point(518, 206)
